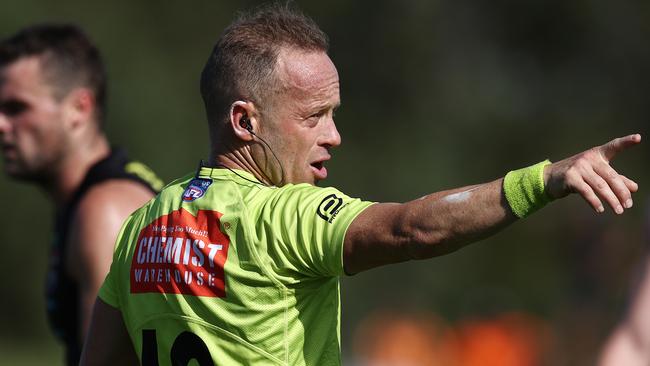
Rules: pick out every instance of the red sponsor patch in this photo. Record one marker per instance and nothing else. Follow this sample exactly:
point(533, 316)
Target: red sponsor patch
point(180, 253)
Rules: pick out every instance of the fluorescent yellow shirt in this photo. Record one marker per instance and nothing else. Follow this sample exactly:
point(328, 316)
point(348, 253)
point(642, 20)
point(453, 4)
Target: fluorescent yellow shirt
point(227, 271)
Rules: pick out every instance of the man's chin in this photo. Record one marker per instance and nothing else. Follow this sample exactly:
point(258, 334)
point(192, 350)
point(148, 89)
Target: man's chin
point(312, 180)
point(11, 170)
point(18, 173)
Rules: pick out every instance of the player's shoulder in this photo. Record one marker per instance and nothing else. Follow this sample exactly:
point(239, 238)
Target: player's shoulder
point(304, 191)
point(110, 198)
point(305, 188)
point(114, 195)
point(303, 199)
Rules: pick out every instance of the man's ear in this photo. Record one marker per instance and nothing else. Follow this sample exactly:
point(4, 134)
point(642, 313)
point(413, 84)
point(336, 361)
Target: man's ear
point(78, 108)
point(243, 119)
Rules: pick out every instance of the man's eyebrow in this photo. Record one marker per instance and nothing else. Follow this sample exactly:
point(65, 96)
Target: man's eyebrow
point(330, 106)
point(319, 107)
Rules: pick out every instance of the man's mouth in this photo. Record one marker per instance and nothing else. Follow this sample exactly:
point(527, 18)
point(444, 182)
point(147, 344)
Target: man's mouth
point(7, 149)
point(319, 170)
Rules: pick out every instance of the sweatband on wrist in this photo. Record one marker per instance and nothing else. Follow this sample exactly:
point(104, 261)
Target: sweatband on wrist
point(524, 189)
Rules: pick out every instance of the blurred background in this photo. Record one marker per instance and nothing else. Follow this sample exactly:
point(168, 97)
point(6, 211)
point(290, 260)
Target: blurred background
point(436, 94)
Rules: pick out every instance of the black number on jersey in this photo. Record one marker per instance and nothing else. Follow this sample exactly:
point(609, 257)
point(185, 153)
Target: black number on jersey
point(187, 346)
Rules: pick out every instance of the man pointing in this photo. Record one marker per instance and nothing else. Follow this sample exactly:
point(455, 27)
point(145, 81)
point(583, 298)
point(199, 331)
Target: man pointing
point(270, 92)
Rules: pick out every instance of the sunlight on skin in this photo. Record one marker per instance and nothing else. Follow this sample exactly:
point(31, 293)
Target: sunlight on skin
point(460, 196)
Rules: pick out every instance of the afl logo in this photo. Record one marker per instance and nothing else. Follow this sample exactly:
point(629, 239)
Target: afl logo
point(196, 189)
point(329, 207)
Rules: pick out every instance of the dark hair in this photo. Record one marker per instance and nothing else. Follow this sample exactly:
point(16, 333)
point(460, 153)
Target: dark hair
point(242, 63)
point(68, 59)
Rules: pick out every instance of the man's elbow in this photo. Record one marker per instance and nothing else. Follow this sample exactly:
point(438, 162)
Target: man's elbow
point(424, 243)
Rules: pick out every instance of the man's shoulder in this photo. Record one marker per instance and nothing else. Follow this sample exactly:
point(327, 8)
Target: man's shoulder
point(305, 189)
point(96, 222)
point(306, 193)
point(113, 195)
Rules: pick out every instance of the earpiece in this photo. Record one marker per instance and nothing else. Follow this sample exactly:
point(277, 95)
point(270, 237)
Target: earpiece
point(244, 122)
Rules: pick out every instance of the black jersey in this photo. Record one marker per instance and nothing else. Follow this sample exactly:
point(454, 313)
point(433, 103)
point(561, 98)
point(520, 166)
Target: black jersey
point(62, 292)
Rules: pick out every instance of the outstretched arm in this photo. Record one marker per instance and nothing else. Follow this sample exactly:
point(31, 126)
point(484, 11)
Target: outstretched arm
point(443, 222)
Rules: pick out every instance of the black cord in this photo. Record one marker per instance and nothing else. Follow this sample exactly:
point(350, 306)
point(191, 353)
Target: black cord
point(239, 175)
point(275, 156)
point(203, 165)
point(244, 178)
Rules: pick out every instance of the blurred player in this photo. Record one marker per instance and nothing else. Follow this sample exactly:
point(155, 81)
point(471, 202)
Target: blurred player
point(52, 106)
point(629, 344)
point(239, 262)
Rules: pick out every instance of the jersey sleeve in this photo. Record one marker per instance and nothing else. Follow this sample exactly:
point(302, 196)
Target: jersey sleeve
point(306, 227)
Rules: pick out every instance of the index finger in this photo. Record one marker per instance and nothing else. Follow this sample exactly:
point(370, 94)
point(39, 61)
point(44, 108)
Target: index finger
point(612, 148)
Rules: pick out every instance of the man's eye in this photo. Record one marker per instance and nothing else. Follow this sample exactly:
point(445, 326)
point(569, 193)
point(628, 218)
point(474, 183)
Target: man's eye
point(318, 114)
point(13, 107)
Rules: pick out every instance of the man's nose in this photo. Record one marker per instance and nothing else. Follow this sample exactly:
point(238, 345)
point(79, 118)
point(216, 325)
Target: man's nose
point(333, 138)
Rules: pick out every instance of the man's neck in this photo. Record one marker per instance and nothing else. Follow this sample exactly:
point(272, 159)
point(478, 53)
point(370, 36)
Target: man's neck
point(73, 168)
point(237, 160)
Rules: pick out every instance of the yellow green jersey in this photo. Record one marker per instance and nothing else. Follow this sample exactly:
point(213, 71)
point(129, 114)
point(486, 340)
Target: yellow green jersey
point(226, 271)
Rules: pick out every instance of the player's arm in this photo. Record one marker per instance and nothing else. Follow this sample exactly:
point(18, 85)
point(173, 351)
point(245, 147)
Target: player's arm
point(94, 228)
point(630, 342)
point(443, 222)
point(108, 342)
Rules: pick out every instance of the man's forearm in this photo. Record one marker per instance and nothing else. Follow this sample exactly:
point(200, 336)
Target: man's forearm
point(433, 225)
point(445, 221)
